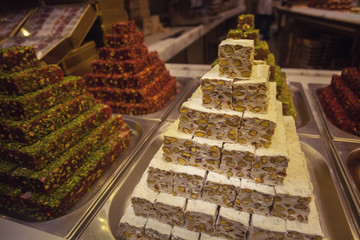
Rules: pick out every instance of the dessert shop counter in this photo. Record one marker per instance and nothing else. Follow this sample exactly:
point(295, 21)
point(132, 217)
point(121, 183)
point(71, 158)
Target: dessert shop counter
point(97, 214)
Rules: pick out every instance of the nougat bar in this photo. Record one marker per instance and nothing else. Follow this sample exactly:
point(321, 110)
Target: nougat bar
point(30, 130)
point(119, 67)
point(157, 230)
point(170, 209)
point(30, 79)
point(220, 190)
point(254, 197)
point(270, 163)
point(177, 145)
point(123, 40)
point(126, 27)
point(235, 58)
point(258, 128)
point(253, 94)
point(310, 230)
point(205, 236)
point(223, 125)
point(200, 216)
point(267, 227)
point(28, 105)
point(232, 224)
point(143, 199)
point(236, 160)
point(160, 174)
point(36, 155)
point(57, 171)
point(216, 90)
point(180, 233)
point(17, 58)
point(188, 181)
point(123, 53)
point(205, 153)
point(294, 195)
point(131, 226)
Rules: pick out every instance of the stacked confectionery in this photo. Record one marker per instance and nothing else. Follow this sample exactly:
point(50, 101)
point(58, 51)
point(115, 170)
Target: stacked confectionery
point(127, 77)
point(246, 30)
point(55, 139)
point(230, 167)
point(331, 4)
point(341, 100)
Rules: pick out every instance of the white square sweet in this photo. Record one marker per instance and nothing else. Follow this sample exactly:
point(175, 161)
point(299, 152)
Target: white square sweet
point(200, 216)
point(131, 226)
point(205, 236)
point(205, 153)
point(188, 181)
point(160, 174)
point(237, 160)
point(157, 230)
point(294, 195)
point(180, 233)
point(220, 190)
point(254, 197)
point(235, 58)
point(170, 209)
point(232, 224)
point(269, 227)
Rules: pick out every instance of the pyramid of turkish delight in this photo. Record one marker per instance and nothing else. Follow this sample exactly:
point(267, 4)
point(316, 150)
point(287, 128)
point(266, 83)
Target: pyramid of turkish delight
point(127, 76)
point(230, 167)
point(55, 139)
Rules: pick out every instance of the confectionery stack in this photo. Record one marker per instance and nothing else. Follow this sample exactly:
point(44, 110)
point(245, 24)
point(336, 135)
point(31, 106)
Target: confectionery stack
point(341, 100)
point(55, 139)
point(246, 30)
point(127, 77)
point(230, 167)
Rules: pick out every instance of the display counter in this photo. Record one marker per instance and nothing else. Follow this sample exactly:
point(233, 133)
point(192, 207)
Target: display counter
point(99, 217)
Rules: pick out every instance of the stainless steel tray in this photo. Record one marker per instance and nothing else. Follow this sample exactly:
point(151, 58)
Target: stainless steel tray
point(66, 225)
point(348, 159)
point(333, 131)
point(182, 83)
point(332, 214)
point(305, 122)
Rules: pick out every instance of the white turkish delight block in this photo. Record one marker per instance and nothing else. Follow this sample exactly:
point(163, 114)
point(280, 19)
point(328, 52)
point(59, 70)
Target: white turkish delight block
point(236, 57)
point(270, 164)
point(254, 197)
point(307, 231)
point(236, 160)
point(193, 116)
point(294, 195)
point(205, 236)
point(232, 224)
point(157, 230)
point(205, 153)
point(170, 209)
point(216, 90)
point(253, 94)
point(177, 145)
point(131, 226)
point(223, 125)
point(220, 190)
point(258, 128)
point(160, 174)
point(143, 199)
point(188, 181)
point(180, 233)
point(200, 216)
point(267, 227)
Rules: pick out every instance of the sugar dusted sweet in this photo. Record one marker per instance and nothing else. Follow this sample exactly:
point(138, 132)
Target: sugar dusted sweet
point(232, 224)
point(200, 216)
point(157, 230)
point(132, 226)
point(170, 209)
point(205, 153)
point(267, 227)
point(181, 233)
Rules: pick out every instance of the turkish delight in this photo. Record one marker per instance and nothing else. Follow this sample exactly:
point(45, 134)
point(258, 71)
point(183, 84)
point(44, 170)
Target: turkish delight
point(205, 153)
point(17, 58)
point(123, 53)
point(180, 233)
point(131, 226)
point(157, 230)
point(118, 41)
point(170, 209)
point(246, 21)
point(232, 224)
point(200, 216)
point(267, 227)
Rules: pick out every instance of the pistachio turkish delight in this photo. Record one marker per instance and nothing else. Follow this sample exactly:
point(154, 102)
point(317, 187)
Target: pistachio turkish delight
point(205, 153)
point(200, 216)
point(267, 227)
point(131, 226)
point(157, 230)
point(123, 53)
point(180, 233)
point(170, 209)
point(232, 224)
point(17, 58)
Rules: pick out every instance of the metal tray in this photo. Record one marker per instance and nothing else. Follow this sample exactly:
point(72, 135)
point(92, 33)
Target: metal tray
point(333, 131)
point(348, 158)
point(183, 84)
point(305, 122)
point(66, 225)
point(332, 215)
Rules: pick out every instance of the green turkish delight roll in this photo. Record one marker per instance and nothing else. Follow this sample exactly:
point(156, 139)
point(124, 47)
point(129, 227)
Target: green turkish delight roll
point(246, 21)
point(31, 130)
point(261, 51)
point(17, 58)
point(28, 105)
point(36, 155)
